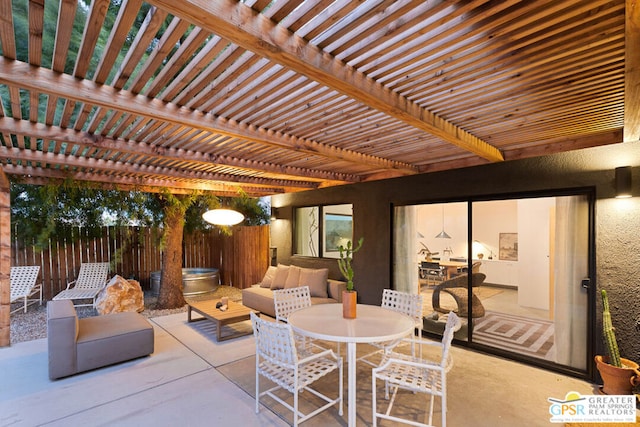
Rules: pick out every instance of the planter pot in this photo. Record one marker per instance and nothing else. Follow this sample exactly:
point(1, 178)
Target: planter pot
point(349, 301)
point(618, 381)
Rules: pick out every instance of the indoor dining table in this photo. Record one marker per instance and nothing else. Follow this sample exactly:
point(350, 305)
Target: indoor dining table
point(372, 324)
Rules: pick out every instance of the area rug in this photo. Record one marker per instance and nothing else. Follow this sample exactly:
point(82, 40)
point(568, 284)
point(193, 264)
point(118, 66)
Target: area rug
point(200, 337)
point(523, 335)
point(408, 405)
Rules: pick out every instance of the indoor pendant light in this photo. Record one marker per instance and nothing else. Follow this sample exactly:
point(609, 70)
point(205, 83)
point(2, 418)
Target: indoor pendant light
point(223, 217)
point(443, 234)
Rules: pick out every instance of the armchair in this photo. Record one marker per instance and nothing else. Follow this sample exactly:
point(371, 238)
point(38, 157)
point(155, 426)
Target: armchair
point(458, 289)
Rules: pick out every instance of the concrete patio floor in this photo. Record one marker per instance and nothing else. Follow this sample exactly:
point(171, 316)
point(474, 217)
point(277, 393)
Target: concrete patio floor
point(180, 384)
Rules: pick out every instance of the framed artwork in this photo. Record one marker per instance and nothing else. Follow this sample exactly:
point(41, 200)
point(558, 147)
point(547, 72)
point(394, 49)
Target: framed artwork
point(508, 250)
point(338, 230)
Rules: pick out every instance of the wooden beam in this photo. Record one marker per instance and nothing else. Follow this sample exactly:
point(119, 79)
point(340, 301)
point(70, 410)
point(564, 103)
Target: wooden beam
point(58, 134)
point(92, 163)
point(39, 176)
point(22, 75)
point(5, 260)
point(253, 31)
point(632, 72)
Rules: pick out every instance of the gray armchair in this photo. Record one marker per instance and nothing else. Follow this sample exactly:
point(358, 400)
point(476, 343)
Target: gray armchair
point(78, 345)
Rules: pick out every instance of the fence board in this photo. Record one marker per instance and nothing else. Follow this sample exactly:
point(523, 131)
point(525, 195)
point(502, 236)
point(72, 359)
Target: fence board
point(134, 252)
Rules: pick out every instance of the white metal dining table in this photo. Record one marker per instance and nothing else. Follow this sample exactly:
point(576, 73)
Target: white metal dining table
point(372, 324)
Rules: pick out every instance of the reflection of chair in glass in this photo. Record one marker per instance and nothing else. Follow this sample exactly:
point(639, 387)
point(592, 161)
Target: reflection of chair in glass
point(23, 286)
point(278, 361)
point(458, 289)
point(401, 302)
point(417, 374)
point(432, 272)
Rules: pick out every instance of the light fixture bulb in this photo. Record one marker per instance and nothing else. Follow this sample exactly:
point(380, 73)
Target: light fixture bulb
point(223, 217)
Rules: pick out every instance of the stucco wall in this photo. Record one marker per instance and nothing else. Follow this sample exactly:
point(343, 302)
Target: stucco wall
point(617, 222)
point(618, 268)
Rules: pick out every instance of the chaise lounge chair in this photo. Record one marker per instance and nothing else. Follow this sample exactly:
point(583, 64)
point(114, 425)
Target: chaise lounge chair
point(24, 287)
point(91, 279)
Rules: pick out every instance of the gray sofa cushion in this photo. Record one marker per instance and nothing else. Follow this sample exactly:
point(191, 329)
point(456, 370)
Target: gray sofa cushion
point(260, 299)
point(113, 338)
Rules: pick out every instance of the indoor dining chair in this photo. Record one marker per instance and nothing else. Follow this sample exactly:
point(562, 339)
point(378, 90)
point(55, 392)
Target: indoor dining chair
point(278, 360)
point(417, 374)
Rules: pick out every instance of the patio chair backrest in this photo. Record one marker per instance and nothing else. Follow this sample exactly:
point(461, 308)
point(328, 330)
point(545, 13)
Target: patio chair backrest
point(405, 303)
point(23, 279)
point(274, 341)
point(92, 275)
point(288, 300)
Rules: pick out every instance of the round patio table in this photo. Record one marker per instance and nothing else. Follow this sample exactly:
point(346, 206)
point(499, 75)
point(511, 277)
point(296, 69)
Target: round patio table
point(372, 324)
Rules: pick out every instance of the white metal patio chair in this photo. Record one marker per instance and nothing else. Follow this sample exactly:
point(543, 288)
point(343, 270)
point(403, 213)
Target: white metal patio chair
point(24, 287)
point(278, 360)
point(91, 279)
point(288, 300)
point(401, 302)
point(417, 374)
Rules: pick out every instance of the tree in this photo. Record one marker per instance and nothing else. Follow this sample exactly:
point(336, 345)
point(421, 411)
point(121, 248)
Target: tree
point(175, 208)
point(185, 213)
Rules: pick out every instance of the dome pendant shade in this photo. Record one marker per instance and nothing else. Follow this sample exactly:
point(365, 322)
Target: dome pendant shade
point(223, 217)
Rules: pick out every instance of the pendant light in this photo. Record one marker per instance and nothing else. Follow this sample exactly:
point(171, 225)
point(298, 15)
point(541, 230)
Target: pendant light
point(443, 234)
point(223, 217)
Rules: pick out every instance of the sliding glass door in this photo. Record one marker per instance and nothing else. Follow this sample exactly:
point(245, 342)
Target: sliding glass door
point(512, 268)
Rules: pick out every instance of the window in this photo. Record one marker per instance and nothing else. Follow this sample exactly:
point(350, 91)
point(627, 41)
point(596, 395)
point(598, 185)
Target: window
point(321, 230)
point(525, 259)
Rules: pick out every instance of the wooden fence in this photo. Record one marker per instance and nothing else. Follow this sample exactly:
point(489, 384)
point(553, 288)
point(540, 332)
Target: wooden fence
point(134, 252)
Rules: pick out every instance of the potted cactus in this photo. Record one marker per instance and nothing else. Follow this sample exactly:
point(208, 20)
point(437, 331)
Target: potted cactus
point(350, 296)
point(619, 375)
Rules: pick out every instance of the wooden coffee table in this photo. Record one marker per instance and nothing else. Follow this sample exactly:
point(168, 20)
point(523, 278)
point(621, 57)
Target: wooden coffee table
point(235, 313)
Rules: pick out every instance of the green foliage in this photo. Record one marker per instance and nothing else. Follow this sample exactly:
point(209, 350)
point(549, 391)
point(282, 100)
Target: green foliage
point(609, 333)
point(20, 14)
point(254, 210)
point(344, 263)
point(41, 213)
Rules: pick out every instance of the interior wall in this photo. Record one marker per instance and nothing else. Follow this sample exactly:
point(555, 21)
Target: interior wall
point(617, 247)
point(492, 218)
point(534, 222)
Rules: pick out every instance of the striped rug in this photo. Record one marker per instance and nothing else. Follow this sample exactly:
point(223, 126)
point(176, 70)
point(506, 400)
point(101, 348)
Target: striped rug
point(524, 335)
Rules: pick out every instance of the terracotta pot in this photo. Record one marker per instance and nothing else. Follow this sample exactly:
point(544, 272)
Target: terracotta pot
point(618, 381)
point(349, 301)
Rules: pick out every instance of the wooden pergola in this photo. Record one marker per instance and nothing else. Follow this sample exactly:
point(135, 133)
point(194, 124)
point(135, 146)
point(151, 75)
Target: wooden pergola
point(290, 95)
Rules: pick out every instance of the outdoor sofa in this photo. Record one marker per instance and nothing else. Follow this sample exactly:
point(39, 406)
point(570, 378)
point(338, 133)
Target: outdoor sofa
point(323, 290)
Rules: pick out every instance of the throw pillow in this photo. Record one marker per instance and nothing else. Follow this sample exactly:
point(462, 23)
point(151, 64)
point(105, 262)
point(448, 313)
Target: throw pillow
point(281, 277)
point(293, 277)
point(267, 280)
point(316, 280)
